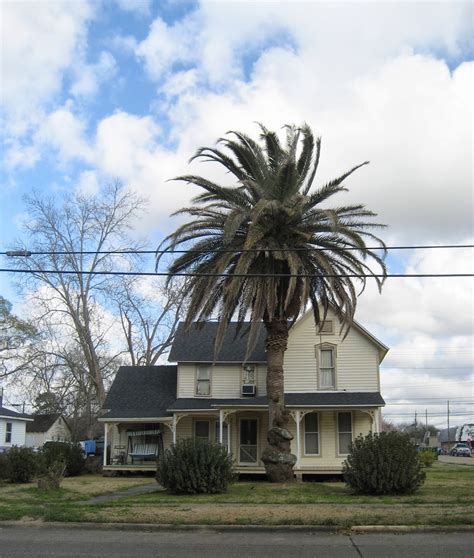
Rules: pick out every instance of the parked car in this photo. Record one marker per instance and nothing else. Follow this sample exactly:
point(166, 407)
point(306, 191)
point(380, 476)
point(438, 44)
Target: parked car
point(461, 449)
point(441, 451)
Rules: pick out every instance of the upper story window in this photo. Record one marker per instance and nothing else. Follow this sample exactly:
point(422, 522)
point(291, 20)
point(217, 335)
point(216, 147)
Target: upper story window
point(326, 357)
point(249, 380)
point(344, 432)
point(8, 433)
point(203, 381)
point(248, 375)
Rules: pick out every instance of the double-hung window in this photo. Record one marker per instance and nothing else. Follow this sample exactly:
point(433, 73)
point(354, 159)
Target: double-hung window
point(203, 381)
point(344, 432)
point(311, 434)
point(202, 429)
point(327, 366)
point(8, 433)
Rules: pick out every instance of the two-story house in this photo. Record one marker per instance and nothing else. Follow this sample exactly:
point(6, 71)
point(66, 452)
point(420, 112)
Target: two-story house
point(332, 392)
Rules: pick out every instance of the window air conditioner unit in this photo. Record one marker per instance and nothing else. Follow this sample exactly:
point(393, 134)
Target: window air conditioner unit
point(248, 389)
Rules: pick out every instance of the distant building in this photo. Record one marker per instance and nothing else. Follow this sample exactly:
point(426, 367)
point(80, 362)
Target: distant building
point(47, 428)
point(448, 437)
point(12, 427)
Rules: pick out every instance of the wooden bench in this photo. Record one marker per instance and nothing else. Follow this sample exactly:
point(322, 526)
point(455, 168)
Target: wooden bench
point(144, 452)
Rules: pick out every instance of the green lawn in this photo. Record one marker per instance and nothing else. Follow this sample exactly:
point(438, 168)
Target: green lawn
point(446, 498)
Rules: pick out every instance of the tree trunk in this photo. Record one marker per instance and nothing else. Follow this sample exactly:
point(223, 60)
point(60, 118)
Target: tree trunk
point(277, 457)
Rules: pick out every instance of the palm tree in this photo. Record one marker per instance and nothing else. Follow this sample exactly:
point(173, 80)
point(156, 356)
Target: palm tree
point(266, 247)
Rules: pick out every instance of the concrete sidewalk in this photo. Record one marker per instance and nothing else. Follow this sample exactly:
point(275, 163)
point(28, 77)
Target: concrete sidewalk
point(134, 491)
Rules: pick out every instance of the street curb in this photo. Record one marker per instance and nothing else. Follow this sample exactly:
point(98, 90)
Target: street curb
point(357, 529)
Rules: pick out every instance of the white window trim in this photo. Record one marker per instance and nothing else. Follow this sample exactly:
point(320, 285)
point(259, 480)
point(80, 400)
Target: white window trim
point(196, 394)
point(305, 454)
point(7, 432)
point(318, 349)
point(339, 454)
point(255, 372)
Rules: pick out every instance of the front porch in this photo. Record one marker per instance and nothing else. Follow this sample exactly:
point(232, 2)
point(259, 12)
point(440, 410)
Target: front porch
point(320, 441)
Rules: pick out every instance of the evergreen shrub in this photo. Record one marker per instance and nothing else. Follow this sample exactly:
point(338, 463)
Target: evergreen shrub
point(385, 463)
point(62, 452)
point(22, 464)
point(4, 467)
point(195, 467)
point(427, 457)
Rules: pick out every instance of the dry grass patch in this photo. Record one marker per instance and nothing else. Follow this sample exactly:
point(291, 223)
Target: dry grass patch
point(324, 514)
point(94, 485)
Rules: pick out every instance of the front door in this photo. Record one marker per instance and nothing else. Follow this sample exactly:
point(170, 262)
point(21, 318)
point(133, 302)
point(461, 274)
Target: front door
point(248, 451)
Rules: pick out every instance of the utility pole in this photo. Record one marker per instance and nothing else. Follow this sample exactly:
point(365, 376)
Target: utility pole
point(416, 426)
point(449, 444)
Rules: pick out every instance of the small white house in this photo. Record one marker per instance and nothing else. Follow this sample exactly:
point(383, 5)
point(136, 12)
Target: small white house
point(47, 428)
point(12, 427)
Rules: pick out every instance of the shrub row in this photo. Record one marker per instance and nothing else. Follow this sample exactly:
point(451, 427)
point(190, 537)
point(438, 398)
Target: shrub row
point(23, 464)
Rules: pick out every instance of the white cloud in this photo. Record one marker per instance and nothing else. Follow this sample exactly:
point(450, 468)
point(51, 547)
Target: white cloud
point(40, 41)
point(88, 183)
point(89, 76)
point(169, 45)
point(64, 132)
point(140, 7)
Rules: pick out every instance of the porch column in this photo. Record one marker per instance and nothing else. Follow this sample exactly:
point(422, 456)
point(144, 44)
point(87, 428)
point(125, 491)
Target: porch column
point(175, 424)
point(221, 425)
point(106, 431)
point(298, 418)
point(228, 436)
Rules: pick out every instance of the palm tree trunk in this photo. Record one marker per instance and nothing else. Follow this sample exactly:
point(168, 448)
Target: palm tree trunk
point(277, 457)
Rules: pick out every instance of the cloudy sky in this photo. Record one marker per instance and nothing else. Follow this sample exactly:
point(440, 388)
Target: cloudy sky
point(128, 89)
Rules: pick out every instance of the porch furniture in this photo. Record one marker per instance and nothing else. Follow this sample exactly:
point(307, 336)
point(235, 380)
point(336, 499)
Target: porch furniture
point(144, 445)
point(144, 452)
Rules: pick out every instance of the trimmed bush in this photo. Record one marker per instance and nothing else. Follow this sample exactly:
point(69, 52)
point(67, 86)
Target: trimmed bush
point(427, 457)
point(195, 467)
point(22, 464)
point(4, 467)
point(385, 463)
point(62, 452)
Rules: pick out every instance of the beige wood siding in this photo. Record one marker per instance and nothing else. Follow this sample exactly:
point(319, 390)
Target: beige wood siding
point(328, 457)
point(226, 380)
point(356, 359)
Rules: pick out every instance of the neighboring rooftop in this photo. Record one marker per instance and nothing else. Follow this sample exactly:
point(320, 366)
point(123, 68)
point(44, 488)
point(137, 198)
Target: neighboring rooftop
point(197, 344)
point(141, 392)
point(443, 434)
point(6, 413)
point(42, 423)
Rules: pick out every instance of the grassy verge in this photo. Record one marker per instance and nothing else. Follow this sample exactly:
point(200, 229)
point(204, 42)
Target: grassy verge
point(446, 498)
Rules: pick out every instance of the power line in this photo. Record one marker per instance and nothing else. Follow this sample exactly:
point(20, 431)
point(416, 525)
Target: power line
point(27, 253)
point(236, 275)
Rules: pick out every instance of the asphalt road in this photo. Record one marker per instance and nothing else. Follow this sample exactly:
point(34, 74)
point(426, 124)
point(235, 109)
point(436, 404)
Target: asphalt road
point(52, 542)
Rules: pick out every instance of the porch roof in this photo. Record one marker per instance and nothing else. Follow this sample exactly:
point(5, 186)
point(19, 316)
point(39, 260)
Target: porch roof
point(141, 392)
point(320, 399)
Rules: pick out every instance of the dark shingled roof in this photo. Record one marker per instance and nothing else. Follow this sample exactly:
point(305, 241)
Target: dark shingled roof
point(329, 399)
point(13, 414)
point(141, 392)
point(197, 344)
point(42, 423)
